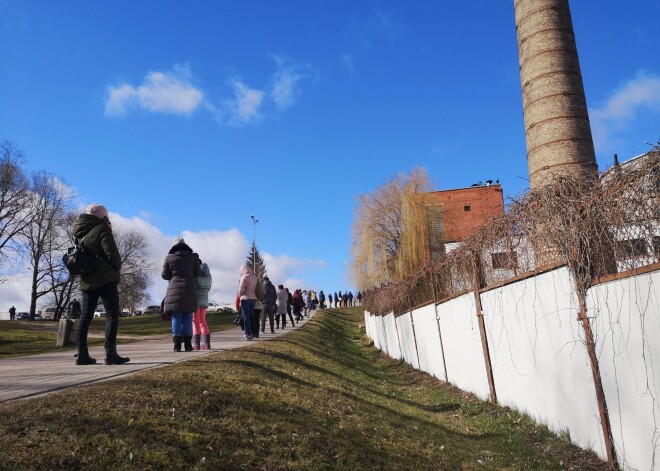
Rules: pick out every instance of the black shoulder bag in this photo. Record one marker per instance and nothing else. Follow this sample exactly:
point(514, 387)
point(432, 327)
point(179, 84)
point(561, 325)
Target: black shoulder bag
point(80, 260)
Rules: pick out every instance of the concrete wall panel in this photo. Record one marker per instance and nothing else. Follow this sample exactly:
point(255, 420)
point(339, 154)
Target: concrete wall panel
point(540, 364)
point(428, 341)
point(626, 323)
point(462, 344)
point(407, 340)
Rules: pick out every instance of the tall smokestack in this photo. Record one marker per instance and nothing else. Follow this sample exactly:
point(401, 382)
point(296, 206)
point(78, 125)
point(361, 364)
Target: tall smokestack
point(557, 129)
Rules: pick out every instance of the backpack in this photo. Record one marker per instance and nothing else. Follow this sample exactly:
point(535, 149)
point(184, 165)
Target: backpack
point(80, 260)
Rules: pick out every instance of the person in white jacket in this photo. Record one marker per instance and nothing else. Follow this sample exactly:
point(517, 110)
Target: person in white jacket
point(281, 302)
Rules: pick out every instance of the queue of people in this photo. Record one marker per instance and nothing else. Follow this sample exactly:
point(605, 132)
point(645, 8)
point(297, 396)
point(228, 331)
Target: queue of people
point(186, 299)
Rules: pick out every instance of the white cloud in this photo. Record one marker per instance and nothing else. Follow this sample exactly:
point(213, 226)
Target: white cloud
point(285, 83)
point(622, 108)
point(161, 92)
point(244, 108)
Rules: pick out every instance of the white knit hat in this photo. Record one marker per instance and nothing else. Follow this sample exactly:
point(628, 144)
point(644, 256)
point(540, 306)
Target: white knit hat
point(97, 210)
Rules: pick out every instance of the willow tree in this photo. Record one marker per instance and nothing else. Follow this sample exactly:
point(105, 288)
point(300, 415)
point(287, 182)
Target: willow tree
point(389, 230)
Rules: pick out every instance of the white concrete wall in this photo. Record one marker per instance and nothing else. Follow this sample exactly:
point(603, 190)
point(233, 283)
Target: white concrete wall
point(407, 340)
point(428, 342)
point(462, 344)
point(626, 325)
point(393, 348)
point(540, 364)
point(539, 360)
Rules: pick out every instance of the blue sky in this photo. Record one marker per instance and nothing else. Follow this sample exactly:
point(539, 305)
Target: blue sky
point(186, 118)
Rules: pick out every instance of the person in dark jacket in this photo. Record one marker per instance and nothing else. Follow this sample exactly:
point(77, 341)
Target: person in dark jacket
point(180, 269)
point(94, 230)
point(298, 304)
point(321, 299)
point(289, 304)
point(269, 305)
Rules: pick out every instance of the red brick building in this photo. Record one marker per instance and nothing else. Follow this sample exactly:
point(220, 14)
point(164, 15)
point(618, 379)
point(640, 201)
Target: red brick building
point(456, 214)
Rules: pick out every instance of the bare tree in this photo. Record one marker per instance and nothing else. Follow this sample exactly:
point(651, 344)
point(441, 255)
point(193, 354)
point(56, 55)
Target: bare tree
point(14, 199)
point(387, 230)
point(135, 268)
point(45, 238)
point(58, 277)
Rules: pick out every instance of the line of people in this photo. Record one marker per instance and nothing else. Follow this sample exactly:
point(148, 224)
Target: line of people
point(259, 303)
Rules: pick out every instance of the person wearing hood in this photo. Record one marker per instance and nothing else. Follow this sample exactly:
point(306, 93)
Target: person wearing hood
point(94, 230)
point(247, 297)
point(200, 327)
point(181, 269)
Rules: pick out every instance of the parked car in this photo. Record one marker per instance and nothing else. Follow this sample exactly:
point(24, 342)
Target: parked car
point(137, 313)
point(39, 318)
point(48, 313)
point(98, 313)
point(213, 307)
point(152, 310)
point(23, 316)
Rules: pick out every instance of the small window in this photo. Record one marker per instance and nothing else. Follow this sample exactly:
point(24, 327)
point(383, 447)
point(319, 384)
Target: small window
point(631, 248)
point(656, 246)
point(466, 208)
point(504, 260)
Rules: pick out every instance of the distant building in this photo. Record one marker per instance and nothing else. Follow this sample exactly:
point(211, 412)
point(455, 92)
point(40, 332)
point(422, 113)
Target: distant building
point(459, 213)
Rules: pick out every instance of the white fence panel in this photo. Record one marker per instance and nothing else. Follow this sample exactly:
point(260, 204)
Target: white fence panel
point(461, 338)
point(367, 324)
point(626, 324)
point(540, 364)
point(428, 341)
point(393, 348)
point(407, 340)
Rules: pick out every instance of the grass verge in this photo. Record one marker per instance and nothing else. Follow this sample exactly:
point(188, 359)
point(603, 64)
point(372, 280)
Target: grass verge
point(317, 399)
point(28, 338)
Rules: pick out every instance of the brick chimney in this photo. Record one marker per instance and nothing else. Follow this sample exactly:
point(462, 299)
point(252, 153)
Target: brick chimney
point(557, 128)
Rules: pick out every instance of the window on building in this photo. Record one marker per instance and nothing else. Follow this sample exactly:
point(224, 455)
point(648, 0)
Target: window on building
point(504, 260)
point(631, 248)
point(466, 208)
point(656, 246)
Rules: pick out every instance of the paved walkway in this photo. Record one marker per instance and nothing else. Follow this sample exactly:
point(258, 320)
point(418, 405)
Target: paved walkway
point(35, 375)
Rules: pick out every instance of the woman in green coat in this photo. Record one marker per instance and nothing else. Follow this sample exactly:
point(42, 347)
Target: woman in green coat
point(94, 230)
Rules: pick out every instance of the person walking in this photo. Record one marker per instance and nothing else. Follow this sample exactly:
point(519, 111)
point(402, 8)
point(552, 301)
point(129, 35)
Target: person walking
point(359, 298)
point(281, 302)
point(248, 298)
point(181, 269)
point(330, 299)
point(309, 306)
point(200, 327)
point(269, 306)
point(260, 291)
point(298, 304)
point(336, 300)
point(289, 305)
point(350, 298)
point(74, 309)
point(321, 300)
point(12, 313)
point(94, 230)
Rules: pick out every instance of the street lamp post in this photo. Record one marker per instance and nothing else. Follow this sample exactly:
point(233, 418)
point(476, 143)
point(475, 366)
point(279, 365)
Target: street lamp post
point(254, 243)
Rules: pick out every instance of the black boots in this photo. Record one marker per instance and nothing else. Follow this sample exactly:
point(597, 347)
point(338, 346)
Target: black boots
point(206, 345)
point(195, 341)
point(85, 360)
point(187, 341)
point(177, 343)
point(113, 358)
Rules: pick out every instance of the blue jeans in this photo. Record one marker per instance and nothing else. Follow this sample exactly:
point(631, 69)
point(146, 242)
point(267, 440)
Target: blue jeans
point(247, 306)
point(182, 323)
